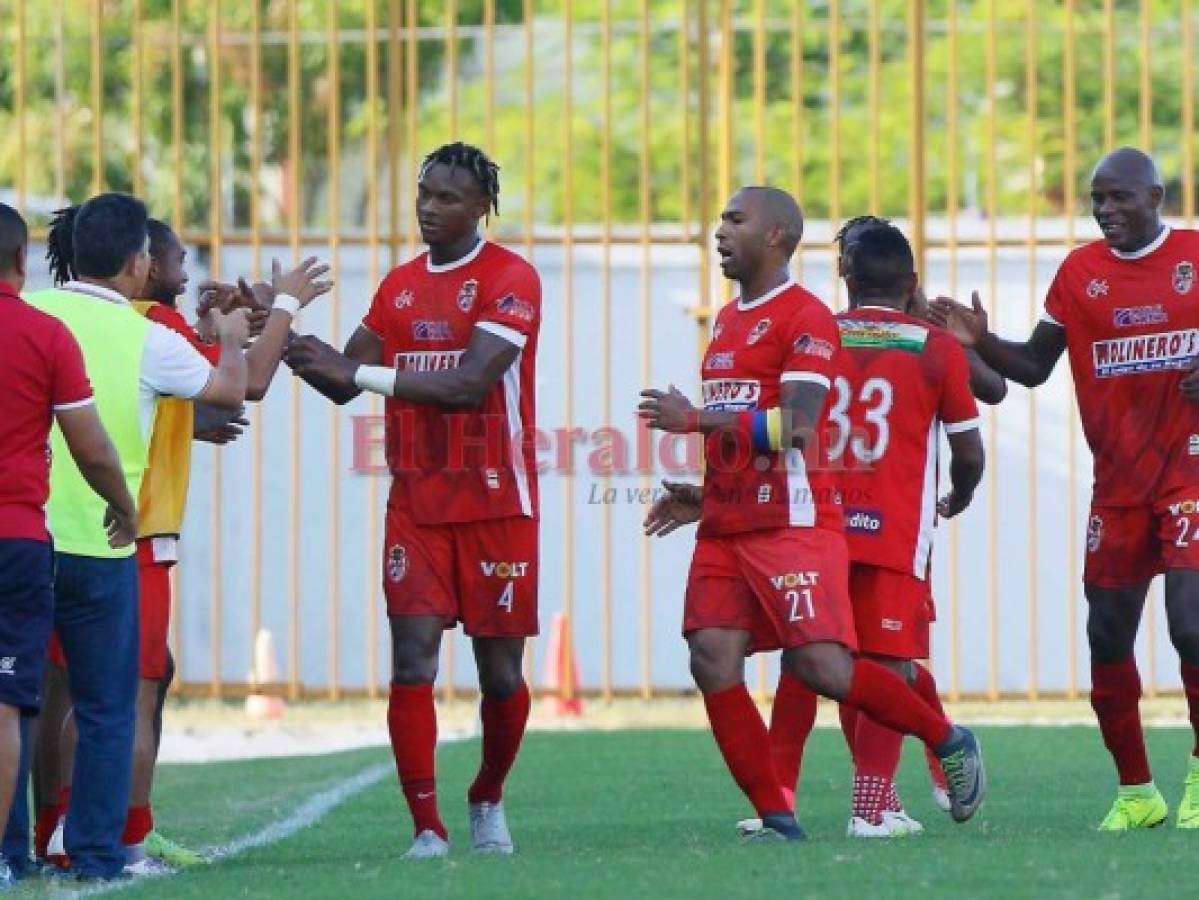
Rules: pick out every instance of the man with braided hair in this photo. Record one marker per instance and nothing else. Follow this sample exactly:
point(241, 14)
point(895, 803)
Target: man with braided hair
point(450, 340)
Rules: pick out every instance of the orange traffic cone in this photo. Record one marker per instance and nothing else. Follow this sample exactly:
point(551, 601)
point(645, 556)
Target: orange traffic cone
point(561, 672)
point(266, 671)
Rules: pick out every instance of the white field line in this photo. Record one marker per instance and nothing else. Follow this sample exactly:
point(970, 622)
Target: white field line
point(309, 813)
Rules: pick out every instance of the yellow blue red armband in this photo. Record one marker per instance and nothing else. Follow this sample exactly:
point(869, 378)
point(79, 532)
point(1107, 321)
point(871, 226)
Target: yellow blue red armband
point(765, 428)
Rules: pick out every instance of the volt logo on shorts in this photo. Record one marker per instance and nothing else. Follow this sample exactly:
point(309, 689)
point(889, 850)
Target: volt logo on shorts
point(1184, 508)
point(864, 521)
point(795, 579)
point(732, 393)
point(505, 569)
point(1145, 353)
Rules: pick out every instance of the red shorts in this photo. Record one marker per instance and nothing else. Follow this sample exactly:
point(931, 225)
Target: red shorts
point(154, 615)
point(1128, 545)
point(892, 611)
point(482, 574)
point(787, 587)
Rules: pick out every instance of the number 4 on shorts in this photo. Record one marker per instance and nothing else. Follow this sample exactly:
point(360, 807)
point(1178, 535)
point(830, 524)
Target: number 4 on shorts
point(505, 600)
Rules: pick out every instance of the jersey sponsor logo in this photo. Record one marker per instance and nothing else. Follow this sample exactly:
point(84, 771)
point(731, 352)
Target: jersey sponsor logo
point(1134, 316)
point(866, 335)
point(428, 360)
point(758, 331)
point(467, 294)
point(432, 330)
point(1184, 276)
point(795, 579)
point(492, 478)
point(405, 299)
point(504, 569)
point(814, 346)
point(863, 521)
point(731, 393)
point(1184, 508)
point(1094, 534)
point(717, 331)
point(1193, 445)
point(1145, 353)
point(511, 305)
point(397, 562)
point(764, 493)
point(725, 360)
point(891, 625)
point(1097, 288)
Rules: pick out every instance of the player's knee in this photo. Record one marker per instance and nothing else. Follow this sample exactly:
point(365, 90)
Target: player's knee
point(414, 669)
point(1109, 639)
point(500, 682)
point(711, 671)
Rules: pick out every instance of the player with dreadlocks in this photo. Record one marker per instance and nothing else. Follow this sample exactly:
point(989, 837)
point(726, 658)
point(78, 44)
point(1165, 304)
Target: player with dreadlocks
point(451, 340)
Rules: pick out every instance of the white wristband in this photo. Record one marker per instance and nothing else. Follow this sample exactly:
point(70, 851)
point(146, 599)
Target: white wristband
point(376, 379)
point(288, 304)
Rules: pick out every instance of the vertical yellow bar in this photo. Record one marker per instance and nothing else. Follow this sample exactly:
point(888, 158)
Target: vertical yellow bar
point(489, 73)
point(724, 113)
point(216, 581)
point(1069, 174)
point(395, 106)
point(759, 70)
point(19, 105)
point(834, 151)
point(177, 598)
point(139, 74)
point(872, 102)
point(916, 28)
point(413, 100)
point(568, 318)
point(685, 96)
point(60, 105)
point(1030, 102)
point(1109, 74)
point(294, 162)
point(1188, 113)
point(333, 163)
point(645, 211)
point(374, 605)
point(797, 110)
point(992, 200)
point(527, 13)
point(606, 336)
point(451, 65)
point(1146, 141)
point(703, 161)
point(98, 96)
point(951, 216)
point(256, 429)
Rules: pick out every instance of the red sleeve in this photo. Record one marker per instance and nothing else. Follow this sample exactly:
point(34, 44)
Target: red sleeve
point(1057, 301)
point(958, 409)
point(68, 374)
point(514, 303)
point(813, 341)
point(375, 319)
point(173, 319)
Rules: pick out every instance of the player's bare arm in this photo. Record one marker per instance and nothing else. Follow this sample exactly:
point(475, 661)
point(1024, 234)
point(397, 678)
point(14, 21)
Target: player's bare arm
point(966, 465)
point(987, 385)
point(681, 505)
point(1029, 363)
point(363, 348)
point(303, 284)
point(226, 387)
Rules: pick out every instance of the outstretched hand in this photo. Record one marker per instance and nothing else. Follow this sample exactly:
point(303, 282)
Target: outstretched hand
point(680, 505)
point(966, 323)
point(310, 357)
point(668, 411)
point(952, 504)
point(305, 282)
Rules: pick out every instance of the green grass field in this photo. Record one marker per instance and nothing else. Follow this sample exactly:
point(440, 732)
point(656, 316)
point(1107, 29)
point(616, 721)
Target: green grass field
point(651, 814)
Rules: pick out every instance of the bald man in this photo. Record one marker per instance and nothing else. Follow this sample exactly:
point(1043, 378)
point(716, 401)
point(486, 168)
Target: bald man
point(1127, 309)
point(771, 567)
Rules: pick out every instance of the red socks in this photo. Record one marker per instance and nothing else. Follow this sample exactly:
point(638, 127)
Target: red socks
point(741, 735)
point(881, 694)
point(412, 722)
point(43, 829)
point(1115, 697)
point(139, 822)
point(791, 719)
point(1190, 684)
point(926, 686)
point(504, 723)
point(849, 726)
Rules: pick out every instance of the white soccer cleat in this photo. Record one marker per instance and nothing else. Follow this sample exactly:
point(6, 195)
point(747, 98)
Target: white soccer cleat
point(489, 828)
point(428, 845)
point(901, 824)
point(746, 827)
point(147, 867)
point(941, 798)
point(58, 841)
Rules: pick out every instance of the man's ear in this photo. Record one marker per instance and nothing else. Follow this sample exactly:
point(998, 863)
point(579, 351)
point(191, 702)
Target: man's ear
point(1157, 193)
point(20, 260)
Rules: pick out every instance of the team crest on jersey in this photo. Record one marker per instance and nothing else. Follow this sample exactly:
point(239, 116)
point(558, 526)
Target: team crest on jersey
point(1094, 534)
point(1184, 276)
point(467, 294)
point(1097, 288)
point(397, 562)
point(405, 299)
point(758, 330)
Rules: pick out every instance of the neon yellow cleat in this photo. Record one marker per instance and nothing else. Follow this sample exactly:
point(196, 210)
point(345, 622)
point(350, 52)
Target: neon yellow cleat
point(159, 847)
point(1188, 809)
point(1136, 806)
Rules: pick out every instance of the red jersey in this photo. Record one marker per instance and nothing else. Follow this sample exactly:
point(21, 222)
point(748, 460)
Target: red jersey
point(42, 371)
point(785, 335)
point(899, 379)
point(477, 464)
point(1132, 330)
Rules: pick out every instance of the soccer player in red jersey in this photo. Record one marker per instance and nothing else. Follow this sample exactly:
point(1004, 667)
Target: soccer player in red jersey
point(1124, 309)
point(451, 341)
point(770, 569)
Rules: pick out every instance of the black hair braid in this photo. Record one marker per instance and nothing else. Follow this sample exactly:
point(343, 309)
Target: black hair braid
point(856, 222)
point(465, 156)
point(60, 244)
